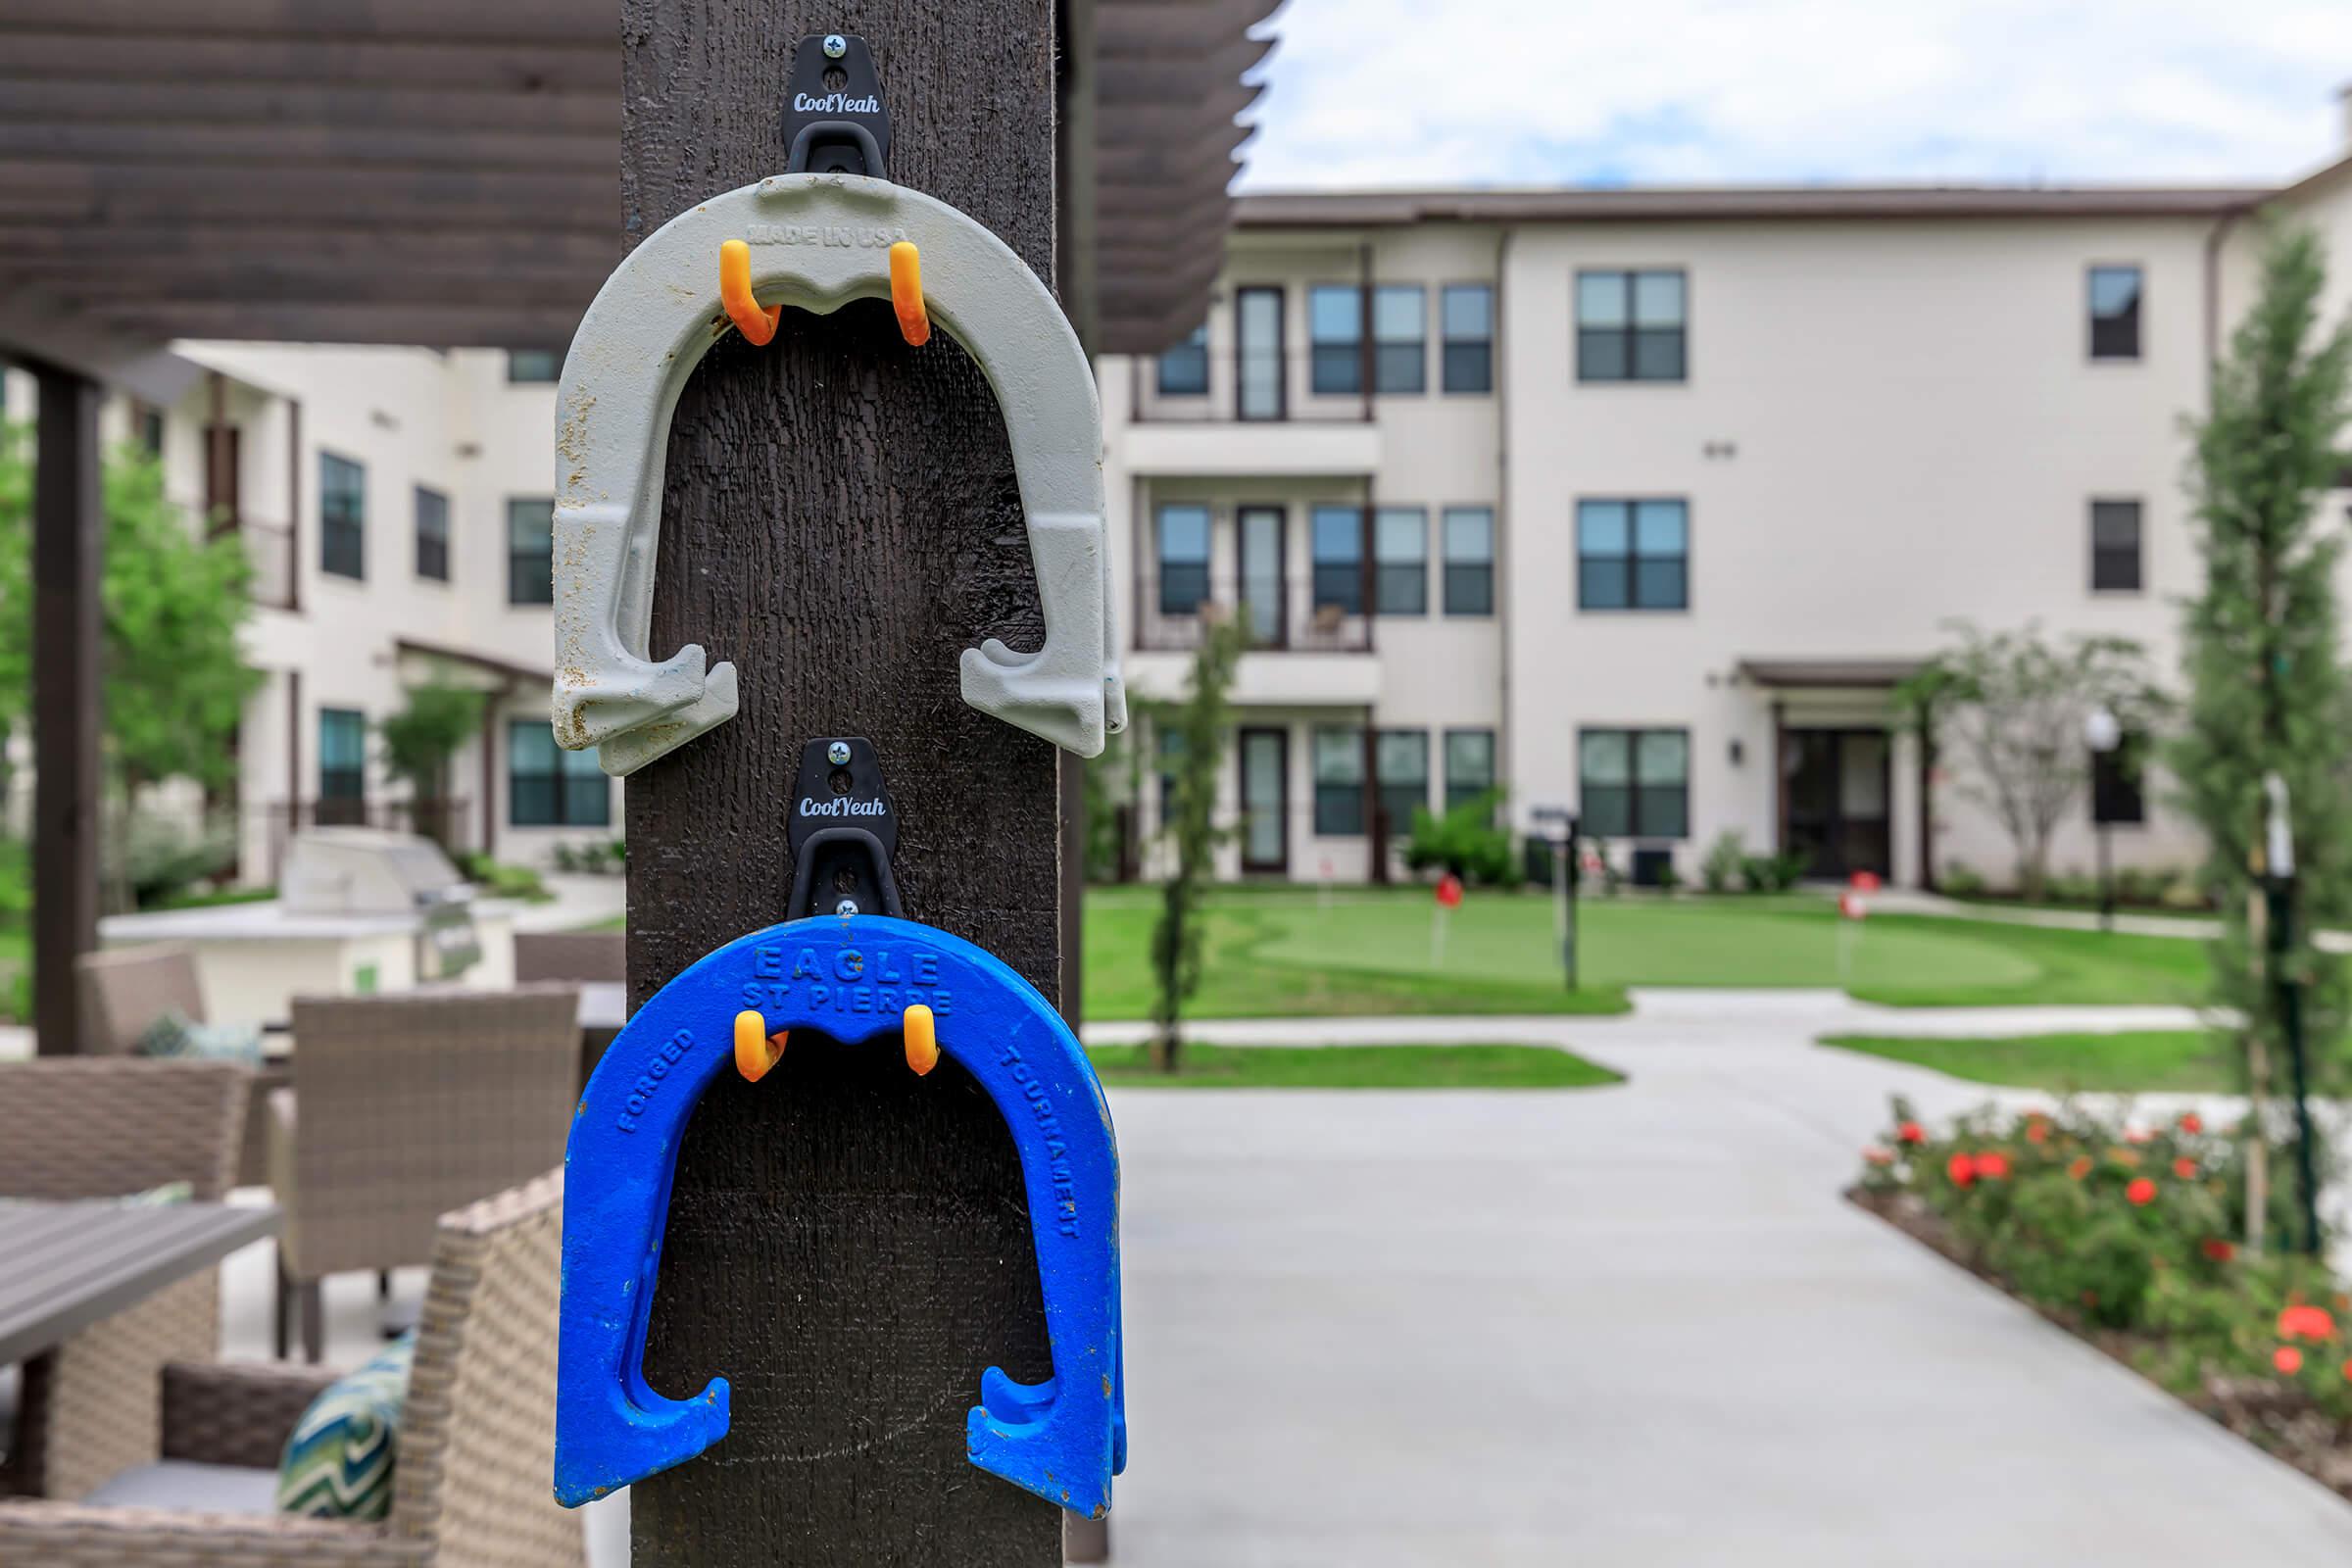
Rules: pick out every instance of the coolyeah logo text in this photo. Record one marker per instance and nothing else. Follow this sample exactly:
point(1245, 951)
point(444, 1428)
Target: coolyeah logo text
point(834, 103)
point(840, 805)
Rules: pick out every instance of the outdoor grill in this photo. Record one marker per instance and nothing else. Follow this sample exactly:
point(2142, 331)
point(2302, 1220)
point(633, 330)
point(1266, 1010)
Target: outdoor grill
point(362, 871)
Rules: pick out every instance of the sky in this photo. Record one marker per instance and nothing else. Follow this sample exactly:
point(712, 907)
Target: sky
point(1519, 92)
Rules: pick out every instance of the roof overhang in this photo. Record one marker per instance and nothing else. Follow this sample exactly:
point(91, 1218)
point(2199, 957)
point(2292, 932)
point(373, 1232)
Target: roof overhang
point(1828, 674)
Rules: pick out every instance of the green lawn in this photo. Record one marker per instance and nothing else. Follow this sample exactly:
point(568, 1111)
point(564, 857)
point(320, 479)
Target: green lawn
point(1353, 1067)
point(1279, 952)
point(2156, 1062)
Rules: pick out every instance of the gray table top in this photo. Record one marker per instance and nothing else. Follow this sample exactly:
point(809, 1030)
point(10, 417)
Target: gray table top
point(66, 1265)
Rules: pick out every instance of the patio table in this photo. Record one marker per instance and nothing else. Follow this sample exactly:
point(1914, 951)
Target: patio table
point(65, 1266)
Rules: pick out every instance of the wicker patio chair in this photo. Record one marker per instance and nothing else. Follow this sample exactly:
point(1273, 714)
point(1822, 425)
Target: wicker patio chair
point(570, 955)
point(104, 1127)
point(472, 1484)
point(404, 1107)
point(126, 990)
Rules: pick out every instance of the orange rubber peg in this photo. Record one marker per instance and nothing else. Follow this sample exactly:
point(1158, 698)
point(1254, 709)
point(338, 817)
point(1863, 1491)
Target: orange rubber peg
point(756, 1049)
point(922, 1039)
point(756, 322)
point(907, 293)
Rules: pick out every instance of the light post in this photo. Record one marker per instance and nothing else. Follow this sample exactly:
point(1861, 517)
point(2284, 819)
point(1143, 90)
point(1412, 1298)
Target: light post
point(2103, 732)
point(2279, 873)
point(1563, 822)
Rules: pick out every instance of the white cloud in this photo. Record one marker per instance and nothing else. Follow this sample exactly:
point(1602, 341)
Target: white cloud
point(1389, 92)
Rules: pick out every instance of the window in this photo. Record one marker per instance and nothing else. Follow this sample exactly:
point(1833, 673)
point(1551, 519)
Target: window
point(1338, 544)
point(1184, 369)
point(2115, 547)
point(148, 423)
point(2115, 782)
point(1635, 783)
point(1630, 327)
point(343, 754)
point(550, 787)
point(432, 534)
point(1401, 338)
point(342, 517)
point(1335, 330)
point(1633, 555)
point(1467, 316)
point(2114, 312)
point(530, 552)
point(1183, 559)
point(1401, 561)
point(1403, 776)
point(1259, 389)
point(533, 365)
point(1469, 765)
point(1170, 745)
point(1469, 561)
point(1338, 782)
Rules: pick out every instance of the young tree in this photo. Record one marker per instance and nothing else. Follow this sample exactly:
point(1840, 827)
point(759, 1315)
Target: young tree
point(1203, 722)
point(2267, 693)
point(419, 740)
point(2015, 703)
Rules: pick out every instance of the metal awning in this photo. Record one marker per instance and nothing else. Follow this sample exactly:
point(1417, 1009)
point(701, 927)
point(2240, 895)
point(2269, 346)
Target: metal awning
point(447, 173)
point(1819, 674)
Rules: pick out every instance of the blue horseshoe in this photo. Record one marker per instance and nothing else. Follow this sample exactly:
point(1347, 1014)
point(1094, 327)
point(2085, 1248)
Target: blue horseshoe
point(850, 978)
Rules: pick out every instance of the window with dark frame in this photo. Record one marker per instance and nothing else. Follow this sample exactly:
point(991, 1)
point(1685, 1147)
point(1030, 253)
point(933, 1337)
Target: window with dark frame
point(1182, 533)
point(1466, 324)
point(550, 787)
point(1469, 765)
point(533, 366)
point(1400, 338)
point(2114, 296)
point(1334, 338)
point(530, 551)
point(1403, 776)
point(1401, 561)
point(1469, 555)
point(343, 754)
point(342, 517)
point(1335, 545)
point(1633, 555)
point(1184, 369)
point(432, 534)
point(150, 423)
point(1634, 783)
point(1632, 326)
point(2116, 776)
point(2115, 547)
point(1338, 782)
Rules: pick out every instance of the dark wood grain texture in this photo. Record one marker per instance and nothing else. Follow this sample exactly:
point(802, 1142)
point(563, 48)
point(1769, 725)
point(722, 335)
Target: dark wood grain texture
point(846, 1243)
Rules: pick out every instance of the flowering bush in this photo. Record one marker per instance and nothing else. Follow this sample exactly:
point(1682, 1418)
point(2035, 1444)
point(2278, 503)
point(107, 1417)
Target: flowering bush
point(2131, 1227)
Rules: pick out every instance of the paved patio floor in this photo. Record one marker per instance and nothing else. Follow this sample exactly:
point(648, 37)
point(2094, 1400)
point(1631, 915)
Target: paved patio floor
point(1621, 1327)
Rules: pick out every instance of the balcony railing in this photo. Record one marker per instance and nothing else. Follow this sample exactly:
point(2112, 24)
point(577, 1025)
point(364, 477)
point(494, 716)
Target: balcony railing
point(1322, 616)
point(1310, 386)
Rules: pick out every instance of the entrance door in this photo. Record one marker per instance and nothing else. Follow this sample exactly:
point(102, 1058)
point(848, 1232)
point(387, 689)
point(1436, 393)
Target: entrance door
point(1257, 353)
point(1261, 533)
point(1265, 800)
point(1835, 791)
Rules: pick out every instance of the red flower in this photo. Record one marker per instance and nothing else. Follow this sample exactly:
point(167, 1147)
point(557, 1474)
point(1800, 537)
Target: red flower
point(1992, 1165)
point(2301, 1322)
point(1911, 1132)
point(1961, 1169)
point(2186, 1168)
point(2038, 1132)
point(2141, 1191)
point(2287, 1358)
point(1879, 1156)
point(2190, 1123)
point(2220, 1251)
point(2349, 1371)
point(2079, 1168)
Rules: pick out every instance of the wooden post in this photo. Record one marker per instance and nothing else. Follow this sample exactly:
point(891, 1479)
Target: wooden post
point(67, 540)
point(848, 1242)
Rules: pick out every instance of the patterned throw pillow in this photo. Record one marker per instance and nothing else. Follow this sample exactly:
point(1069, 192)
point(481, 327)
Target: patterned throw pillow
point(172, 1034)
point(338, 1464)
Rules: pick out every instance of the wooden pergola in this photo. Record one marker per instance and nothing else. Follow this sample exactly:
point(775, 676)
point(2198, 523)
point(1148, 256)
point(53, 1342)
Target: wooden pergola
point(442, 173)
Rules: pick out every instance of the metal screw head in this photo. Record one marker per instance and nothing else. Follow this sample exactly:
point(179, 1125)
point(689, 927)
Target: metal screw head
point(838, 753)
point(836, 46)
point(846, 906)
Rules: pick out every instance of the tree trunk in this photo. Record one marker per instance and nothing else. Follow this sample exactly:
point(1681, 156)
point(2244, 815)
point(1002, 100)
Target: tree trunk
point(2258, 1082)
point(848, 1242)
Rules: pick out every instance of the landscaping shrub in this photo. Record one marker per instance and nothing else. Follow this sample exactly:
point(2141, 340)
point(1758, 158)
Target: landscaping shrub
point(2133, 1228)
point(1962, 881)
point(1770, 873)
point(1465, 840)
point(1725, 856)
point(500, 880)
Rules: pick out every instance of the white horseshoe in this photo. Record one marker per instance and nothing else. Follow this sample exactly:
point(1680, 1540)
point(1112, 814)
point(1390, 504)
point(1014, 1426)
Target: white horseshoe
point(817, 241)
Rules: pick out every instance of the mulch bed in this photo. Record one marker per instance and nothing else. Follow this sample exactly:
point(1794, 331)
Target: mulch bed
point(2273, 1418)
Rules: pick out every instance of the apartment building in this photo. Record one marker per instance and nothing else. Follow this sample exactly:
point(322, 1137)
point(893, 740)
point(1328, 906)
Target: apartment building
point(397, 505)
point(1639, 502)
